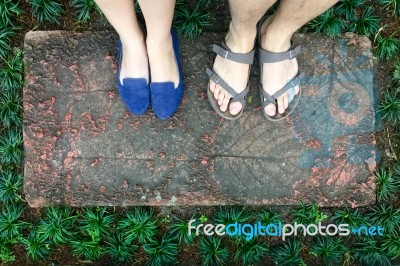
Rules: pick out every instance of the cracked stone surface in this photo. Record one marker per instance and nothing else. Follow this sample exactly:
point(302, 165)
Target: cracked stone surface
point(82, 147)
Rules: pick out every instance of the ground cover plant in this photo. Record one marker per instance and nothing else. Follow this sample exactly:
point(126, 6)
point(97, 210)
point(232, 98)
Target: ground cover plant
point(159, 236)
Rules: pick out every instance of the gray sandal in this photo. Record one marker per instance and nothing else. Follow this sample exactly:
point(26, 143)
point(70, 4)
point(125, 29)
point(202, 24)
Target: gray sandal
point(266, 99)
point(226, 53)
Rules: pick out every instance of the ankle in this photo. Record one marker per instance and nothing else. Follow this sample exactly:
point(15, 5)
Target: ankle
point(276, 39)
point(133, 40)
point(157, 48)
point(241, 39)
point(159, 41)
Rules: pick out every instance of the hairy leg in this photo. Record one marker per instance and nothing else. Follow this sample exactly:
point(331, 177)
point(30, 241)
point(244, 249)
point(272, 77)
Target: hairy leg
point(275, 37)
point(240, 39)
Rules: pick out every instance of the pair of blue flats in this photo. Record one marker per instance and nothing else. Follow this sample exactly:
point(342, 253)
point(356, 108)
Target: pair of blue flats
point(137, 94)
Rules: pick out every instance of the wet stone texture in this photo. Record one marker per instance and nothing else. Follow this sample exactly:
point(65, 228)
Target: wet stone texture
point(82, 147)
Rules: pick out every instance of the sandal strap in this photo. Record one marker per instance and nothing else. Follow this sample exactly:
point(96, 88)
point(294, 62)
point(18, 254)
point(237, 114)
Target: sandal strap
point(270, 57)
point(236, 97)
point(226, 53)
point(266, 98)
point(272, 98)
point(241, 97)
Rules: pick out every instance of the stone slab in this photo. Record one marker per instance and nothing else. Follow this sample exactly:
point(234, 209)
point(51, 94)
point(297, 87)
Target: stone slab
point(82, 147)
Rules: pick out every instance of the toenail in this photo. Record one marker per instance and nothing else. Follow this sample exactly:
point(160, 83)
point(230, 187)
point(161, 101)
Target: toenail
point(270, 112)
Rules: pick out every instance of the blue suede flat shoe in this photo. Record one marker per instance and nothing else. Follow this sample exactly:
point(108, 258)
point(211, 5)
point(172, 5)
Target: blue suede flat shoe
point(165, 98)
point(135, 92)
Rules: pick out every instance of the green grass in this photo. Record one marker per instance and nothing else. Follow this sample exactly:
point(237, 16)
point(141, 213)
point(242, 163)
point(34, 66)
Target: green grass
point(10, 147)
point(288, 254)
point(138, 224)
point(208, 3)
point(119, 248)
point(87, 249)
point(11, 75)
point(347, 8)
point(83, 9)
point(213, 251)
point(369, 251)
point(308, 214)
point(9, 9)
point(57, 225)
point(388, 184)
point(191, 23)
point(162, 252)
point(10, 109)
point(94, 232)
point(392, 6)
point(46, 10)
point(96, 222)
point(396, 74)
point(10, 186)
point(250, 252)
point(180, 230)
point(330, 250)
point(137, 8)
point(329, 24)
point(389, 106)
point(387, 48)
point(10, 224)
point(231, 215)
point(6, 33)
point(268, 217)
point(391, 244)
point(36, 245)
point(367, 24)
point(6, 254)
point(385, 216)
point(352, 217)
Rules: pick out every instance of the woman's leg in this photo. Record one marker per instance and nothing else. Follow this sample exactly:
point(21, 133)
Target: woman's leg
point(158, 15)
point(121, 15)
point(240, 39)
point(276, 35)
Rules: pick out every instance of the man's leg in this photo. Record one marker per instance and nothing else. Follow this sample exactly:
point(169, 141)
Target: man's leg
point(240, 39)
point(276, 34)
point(122, 17)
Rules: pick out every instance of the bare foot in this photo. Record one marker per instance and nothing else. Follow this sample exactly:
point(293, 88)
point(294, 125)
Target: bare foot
point(135, 63)
point(234, 74)
point(162, 60)
point(277, 75)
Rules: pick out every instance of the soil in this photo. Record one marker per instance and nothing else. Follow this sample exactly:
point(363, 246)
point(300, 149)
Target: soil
point(188, 254)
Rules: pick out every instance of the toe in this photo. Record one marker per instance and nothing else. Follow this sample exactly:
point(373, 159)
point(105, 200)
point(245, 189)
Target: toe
point(234, 108)
point(285, 100)
point(221, 97)
point(224, 105)
point(291, 94)
point(212, 86)
point(270, 109)
point(281, 107)
point(297, 90)
point(217, 89)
